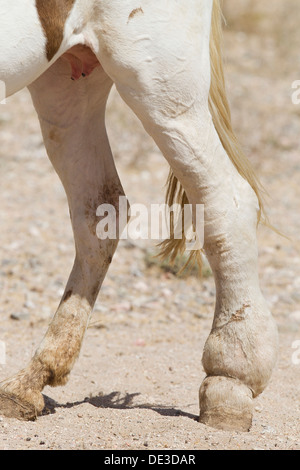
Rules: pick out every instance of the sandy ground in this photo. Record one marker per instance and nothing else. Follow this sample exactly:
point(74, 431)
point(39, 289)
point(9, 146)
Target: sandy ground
point(135, 385)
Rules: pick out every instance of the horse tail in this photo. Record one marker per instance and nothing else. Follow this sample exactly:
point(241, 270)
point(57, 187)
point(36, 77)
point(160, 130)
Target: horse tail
point(221, 116)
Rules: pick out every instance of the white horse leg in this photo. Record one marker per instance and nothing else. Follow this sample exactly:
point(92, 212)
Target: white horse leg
point(158, 56)
point(72, 121)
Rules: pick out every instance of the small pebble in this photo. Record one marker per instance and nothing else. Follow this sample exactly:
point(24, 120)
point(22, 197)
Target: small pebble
point(19, 316)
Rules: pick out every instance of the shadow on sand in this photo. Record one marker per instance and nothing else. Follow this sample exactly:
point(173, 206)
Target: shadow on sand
point(119, 401)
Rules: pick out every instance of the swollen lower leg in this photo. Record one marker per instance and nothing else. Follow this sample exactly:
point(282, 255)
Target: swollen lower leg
point(241, 350)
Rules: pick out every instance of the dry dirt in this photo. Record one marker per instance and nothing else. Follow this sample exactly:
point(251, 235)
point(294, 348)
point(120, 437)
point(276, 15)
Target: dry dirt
point(135, 385)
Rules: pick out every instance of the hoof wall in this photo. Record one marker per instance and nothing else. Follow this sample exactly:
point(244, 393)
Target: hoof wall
point(12, 406)
point(226, 404)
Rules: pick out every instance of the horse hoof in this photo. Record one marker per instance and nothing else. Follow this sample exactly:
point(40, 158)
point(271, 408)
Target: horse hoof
point(226, 404)
point(12, 406)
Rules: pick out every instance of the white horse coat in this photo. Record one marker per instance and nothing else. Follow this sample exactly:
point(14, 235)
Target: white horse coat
point(164, 58)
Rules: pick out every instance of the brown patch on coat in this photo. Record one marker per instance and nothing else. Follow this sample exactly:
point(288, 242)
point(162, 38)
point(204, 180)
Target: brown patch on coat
point(95, 292)
point(54, 135)
point(53, 15)
point(239, 315)
point(67, 295)
point(220, 246)
point(65, 335)
point(135, 12)
point(109, 193)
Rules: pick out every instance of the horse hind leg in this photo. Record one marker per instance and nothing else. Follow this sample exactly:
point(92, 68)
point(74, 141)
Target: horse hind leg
point(72, 121)
point(169, 91)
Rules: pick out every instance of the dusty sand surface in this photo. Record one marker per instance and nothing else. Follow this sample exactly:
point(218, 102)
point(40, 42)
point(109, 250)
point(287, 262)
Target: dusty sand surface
point(135, 385)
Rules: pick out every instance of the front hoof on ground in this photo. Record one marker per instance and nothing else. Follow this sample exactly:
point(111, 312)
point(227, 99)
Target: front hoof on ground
point(226, 404)
point(12, 406)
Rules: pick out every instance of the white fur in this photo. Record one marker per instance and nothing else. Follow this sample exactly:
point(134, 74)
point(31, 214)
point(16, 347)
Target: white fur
point(157, 54)
point(22, 44)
